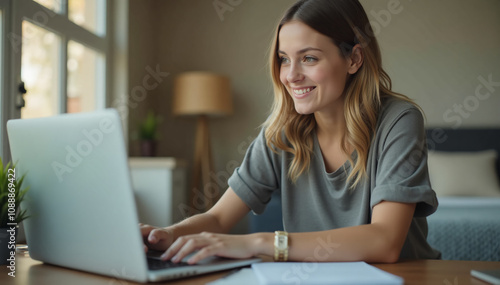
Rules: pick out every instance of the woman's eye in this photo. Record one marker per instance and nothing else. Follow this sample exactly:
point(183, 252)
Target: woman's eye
point(284, 60)
point(309, 59)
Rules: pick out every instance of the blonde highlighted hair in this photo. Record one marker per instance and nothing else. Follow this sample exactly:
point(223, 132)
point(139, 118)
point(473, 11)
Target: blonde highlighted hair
point(346, 23)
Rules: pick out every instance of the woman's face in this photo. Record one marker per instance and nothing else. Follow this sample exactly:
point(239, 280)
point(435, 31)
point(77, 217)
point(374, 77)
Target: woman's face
point(312, 69)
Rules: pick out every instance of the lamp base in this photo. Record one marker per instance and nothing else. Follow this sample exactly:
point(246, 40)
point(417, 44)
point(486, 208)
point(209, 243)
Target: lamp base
point(204, 192)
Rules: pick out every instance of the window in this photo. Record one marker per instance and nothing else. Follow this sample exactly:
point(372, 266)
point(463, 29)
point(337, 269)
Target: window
point(51, 4)
point(60, 50)
point(62, 64)
point(85, 74)
point(3, 144)
point(39, 71)
point(88, 14)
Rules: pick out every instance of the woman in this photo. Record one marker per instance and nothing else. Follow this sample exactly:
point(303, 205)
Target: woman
point(347, 153)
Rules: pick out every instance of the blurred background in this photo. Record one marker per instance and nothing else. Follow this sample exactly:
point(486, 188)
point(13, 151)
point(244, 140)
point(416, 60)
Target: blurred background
point(82, 55)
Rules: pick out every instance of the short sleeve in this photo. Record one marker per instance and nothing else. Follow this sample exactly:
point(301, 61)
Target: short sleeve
point(258, 175)
point(401, 166)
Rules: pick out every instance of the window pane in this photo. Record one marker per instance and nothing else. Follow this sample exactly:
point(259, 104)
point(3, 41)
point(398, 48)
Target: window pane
point(88, 14)
point(1, 82)
point(51, 4)
point(84, 72)
point(39, 71)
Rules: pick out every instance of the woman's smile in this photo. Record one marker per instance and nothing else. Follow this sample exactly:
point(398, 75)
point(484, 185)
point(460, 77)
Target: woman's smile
point(302, 92)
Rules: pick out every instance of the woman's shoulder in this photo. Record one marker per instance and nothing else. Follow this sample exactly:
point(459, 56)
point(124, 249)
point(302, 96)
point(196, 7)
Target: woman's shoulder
point(398, 117)
point(394, 109)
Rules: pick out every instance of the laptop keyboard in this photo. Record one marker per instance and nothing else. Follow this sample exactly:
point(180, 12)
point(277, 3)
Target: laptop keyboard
point(155, 264)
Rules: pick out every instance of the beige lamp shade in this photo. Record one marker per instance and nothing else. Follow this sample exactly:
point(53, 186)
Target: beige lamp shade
point(202, 93)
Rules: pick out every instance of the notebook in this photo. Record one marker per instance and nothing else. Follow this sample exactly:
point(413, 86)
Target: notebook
point(331, 273)
point(81, 204)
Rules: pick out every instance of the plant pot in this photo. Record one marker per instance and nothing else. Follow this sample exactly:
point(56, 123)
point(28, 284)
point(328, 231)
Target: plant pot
point(148, 148)
point(7, 243)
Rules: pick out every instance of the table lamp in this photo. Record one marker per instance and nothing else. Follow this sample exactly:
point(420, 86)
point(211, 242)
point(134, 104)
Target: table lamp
point(202, 94)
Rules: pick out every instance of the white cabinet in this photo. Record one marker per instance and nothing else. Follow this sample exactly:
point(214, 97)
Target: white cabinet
point(159, 188)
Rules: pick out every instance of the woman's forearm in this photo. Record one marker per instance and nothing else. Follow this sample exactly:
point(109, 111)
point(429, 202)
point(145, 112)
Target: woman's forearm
point(219, 219)
point(360, 243)
point(204, 222)
point(379, 241)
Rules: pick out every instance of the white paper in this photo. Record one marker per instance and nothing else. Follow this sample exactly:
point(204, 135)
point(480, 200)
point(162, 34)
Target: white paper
point(309, 273)
point(244, 276)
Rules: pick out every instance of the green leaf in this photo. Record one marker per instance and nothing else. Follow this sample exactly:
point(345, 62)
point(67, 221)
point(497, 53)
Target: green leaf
point(148, 128)
point(19, 192)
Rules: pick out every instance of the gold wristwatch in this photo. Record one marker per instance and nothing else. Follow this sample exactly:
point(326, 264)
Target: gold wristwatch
point(280, 246)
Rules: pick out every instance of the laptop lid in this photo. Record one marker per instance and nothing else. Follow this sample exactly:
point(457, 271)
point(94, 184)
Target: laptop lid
point(81, 204)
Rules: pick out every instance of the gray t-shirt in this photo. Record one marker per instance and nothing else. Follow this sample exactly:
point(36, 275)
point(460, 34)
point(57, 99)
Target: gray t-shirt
point(396, 169)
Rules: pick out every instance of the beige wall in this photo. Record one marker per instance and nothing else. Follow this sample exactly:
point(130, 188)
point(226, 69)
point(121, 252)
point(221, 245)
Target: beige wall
point(433, 50)
point(436, 50)
point(193, 37)
point(143, 52)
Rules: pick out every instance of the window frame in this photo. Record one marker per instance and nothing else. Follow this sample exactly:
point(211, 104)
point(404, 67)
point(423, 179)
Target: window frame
point(63, 27)
point(4, 82)
point(17, 11)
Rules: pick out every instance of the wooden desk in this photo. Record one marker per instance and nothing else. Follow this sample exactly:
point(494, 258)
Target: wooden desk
point(442, 272)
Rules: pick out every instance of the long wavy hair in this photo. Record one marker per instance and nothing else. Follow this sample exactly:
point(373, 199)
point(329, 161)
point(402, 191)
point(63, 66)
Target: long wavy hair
point(346, 24)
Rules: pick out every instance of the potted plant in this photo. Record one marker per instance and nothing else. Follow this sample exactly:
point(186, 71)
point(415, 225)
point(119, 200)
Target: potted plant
point(148, 134)
point(11, 196)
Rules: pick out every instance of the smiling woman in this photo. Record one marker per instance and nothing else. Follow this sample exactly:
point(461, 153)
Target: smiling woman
point(318, 67)
point(351, 47)
point(339, 146)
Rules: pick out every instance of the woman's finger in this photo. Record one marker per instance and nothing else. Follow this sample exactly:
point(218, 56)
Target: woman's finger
point(145, 229)
point(205, 252)
point(160, 239)
point(174, 247)
point(186, 245)
point(190, 246)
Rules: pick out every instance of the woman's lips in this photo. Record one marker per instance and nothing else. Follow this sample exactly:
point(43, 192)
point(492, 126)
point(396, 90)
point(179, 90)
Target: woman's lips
point(302, 91)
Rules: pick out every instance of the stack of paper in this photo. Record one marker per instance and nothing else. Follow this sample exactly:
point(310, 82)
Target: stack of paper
point(309, 273)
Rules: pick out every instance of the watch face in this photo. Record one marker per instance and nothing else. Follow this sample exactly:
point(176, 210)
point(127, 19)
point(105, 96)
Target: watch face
point(282, 242)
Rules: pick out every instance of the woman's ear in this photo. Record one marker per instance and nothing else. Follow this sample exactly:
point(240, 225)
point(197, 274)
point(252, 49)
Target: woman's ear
point(355, 59)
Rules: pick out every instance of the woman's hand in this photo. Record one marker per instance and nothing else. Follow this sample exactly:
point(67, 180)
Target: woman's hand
point(156, 238)
point(211, 244)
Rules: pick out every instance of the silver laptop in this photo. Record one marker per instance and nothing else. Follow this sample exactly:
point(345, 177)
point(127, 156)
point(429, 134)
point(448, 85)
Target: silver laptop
point(81, 203)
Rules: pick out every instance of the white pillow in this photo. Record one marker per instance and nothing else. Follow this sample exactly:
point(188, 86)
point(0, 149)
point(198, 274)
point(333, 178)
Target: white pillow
point(464, 173)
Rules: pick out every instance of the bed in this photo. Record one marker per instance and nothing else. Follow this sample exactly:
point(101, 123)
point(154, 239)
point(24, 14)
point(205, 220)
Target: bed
point(465, 169)
point(465, 227)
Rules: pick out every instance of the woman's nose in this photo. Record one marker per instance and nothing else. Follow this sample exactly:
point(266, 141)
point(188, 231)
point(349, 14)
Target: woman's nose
point(294, 74)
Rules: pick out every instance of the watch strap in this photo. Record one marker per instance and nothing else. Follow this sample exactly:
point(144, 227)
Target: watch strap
point(280, 246)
